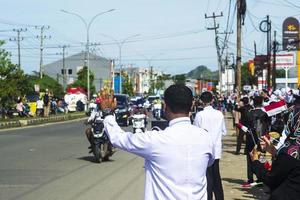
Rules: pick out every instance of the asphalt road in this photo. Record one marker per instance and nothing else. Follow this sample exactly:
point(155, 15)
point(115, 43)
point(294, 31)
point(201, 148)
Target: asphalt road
point(52, 162)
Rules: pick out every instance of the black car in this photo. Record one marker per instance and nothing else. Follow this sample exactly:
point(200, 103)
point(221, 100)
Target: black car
point(123, 109)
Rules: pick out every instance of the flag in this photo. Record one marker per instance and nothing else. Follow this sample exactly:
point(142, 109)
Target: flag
point(275, 107)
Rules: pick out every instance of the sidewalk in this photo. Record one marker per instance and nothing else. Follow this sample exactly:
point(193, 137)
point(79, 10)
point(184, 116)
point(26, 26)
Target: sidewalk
point(233, 169)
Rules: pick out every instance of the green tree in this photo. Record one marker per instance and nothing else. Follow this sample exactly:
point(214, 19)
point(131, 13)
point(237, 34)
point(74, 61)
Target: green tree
point(82, 80)
point(179, 79)
point(247, 78)
point(13, 81)
point(280, 73)
point(45, 83)
point(160, 82)
point(127, 86)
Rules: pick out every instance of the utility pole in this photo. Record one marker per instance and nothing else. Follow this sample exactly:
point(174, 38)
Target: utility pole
point(217, 45)
point(274, 62)
point(265, 26)
point(238, 49)
point(112, 71)
point(64, 71)
point(18, 39)
point(42, 37)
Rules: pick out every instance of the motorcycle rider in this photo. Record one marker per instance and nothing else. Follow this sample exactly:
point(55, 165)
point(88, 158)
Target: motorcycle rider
point(139, 109)
point(95, 113)
point(157, 107)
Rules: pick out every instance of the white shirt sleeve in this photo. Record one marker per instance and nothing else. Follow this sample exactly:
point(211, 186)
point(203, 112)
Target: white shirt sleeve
point(139, 144)
point(198, 120)
point(223, 127)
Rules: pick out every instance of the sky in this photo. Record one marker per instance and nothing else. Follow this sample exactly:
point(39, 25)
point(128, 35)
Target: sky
point(170, 35)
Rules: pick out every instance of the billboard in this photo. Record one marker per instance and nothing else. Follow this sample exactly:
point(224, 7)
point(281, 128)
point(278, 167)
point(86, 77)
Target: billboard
point(285, 60)
point(290, 34)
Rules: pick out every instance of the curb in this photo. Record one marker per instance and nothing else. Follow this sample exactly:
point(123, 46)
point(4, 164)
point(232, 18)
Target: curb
point(36, 121)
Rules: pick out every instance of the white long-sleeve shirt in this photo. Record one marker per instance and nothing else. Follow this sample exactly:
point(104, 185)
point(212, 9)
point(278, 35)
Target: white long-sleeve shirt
point(213, 121)
point(176, 158)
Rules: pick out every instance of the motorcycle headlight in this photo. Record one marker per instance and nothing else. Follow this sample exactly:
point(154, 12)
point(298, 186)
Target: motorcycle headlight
point(124, 116)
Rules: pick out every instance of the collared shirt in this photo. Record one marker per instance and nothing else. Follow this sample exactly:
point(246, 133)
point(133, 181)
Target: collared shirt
point(213, 121)
point(176, 158)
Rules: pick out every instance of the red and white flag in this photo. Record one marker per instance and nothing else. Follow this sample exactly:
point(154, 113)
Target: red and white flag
point(275, 107)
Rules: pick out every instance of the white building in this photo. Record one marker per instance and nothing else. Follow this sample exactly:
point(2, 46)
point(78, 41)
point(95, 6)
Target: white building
point(228, 80)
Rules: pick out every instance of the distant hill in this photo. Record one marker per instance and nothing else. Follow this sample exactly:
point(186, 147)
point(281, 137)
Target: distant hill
point(202, 72)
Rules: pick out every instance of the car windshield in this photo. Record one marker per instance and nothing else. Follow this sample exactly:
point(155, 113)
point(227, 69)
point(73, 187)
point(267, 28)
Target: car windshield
point(121, 101)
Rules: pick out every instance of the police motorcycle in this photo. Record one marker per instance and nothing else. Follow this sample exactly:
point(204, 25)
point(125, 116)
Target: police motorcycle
point(101, 146)
point(157, 109)
point(139, 120)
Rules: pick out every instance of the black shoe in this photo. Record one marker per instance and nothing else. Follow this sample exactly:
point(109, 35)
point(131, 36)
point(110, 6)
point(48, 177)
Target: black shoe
point(90, 147)
point(237, 153)
point(91, 151)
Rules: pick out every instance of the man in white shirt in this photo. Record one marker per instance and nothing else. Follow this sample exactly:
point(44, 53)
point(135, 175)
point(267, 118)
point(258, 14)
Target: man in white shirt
point(176, 158)
point(212, 120)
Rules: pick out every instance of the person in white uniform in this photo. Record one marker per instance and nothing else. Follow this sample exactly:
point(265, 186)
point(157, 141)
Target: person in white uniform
point(176, 158)
point(213, 121)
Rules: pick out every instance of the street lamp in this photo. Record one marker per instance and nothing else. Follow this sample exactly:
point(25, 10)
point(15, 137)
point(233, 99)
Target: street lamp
point(87, 53)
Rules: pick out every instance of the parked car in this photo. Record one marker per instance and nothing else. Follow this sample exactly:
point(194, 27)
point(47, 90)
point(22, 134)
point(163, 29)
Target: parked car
point(123, 110)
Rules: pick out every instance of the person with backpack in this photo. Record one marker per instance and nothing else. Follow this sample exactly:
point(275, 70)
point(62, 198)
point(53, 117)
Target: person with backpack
point(259, 126)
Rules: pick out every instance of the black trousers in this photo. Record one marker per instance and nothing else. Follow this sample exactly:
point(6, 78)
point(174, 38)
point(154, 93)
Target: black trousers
point(214, 183)
point(249, 168)
point(239, 141)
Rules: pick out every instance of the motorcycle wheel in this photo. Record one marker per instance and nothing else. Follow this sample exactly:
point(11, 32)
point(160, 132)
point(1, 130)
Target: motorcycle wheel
point(104, 152)
point(97, 153)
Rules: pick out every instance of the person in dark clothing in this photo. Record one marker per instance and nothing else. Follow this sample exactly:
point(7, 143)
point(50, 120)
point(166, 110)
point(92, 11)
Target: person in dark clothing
point(244, 110)
point(284, 177)
point(259, 124)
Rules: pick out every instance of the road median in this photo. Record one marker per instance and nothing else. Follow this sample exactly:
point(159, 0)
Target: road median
point(40, 120)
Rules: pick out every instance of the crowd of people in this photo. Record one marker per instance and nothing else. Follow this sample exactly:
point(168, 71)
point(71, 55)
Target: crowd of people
point(46, 104)
point(272, 142)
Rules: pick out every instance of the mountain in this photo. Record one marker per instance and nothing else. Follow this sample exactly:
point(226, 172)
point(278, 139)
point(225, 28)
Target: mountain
point(202, 72)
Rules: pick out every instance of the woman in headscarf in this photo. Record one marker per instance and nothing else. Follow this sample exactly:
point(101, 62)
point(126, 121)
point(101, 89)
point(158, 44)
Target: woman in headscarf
point(283, 178)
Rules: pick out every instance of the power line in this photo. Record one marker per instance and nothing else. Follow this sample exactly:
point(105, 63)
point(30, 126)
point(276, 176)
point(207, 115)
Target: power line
point(42, 37)
point(18, 40)
point(292, 4)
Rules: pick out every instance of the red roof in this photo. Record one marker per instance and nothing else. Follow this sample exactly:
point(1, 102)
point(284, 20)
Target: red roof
point(76, 90)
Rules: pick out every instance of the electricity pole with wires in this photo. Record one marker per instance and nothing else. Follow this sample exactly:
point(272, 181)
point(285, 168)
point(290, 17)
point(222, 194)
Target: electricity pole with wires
point(215, 28)
point(238, 50)
point(42, 37)
point(18, 39)
point(64, 71)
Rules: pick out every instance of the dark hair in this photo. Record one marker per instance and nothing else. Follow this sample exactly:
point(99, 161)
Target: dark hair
point(245, 100)
point(206, 97)
point(258, 101)
point(179, 98)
